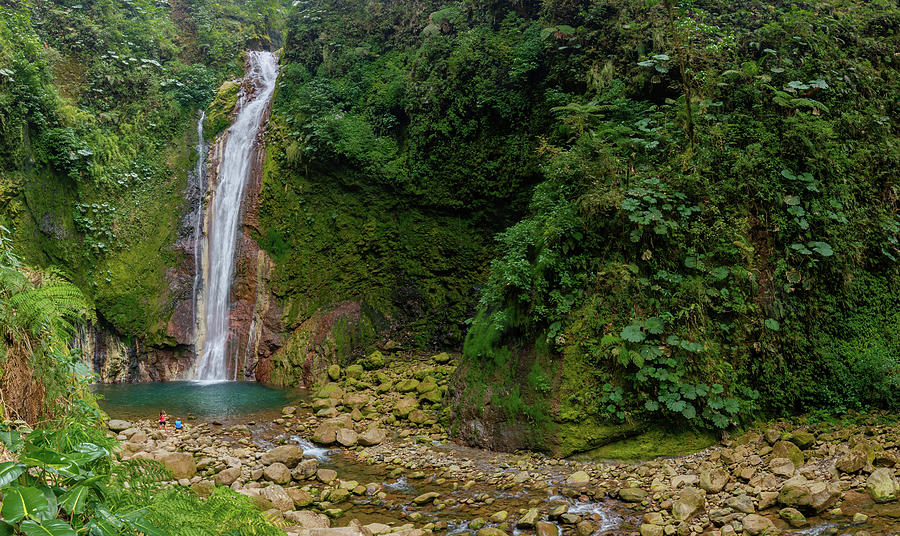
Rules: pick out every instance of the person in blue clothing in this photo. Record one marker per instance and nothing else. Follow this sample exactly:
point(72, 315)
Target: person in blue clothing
point(177, 423)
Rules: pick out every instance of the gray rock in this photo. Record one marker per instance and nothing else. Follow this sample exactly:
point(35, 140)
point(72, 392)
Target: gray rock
point(289, 455)
point(227, 476)
point(346, 437)
point(755, 525)
point(118, 425)
point(372, 436)
point(852, 462)
point(882, 485)
point(181, 464)
point(306, 519)
point(278, 473)
point(741, 503)
point(713, 480)
point(278, 497)
point(690, 502)
point(529, 520)
point(782, 467)
point(632, 495)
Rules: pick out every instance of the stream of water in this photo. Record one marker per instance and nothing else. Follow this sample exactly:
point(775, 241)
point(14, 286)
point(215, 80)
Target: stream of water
point(225, 214)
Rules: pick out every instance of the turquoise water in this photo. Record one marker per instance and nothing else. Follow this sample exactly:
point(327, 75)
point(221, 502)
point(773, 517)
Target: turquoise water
point(224, 401)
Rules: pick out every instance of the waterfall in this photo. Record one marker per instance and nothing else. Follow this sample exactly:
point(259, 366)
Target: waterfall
point(225, 212)
point(200, 178)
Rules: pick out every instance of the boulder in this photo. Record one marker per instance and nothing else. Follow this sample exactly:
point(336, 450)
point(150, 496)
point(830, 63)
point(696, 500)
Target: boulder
point(793, 516)
point(374, 361)
point(546, 529)
point(442, 358)
point(306, 519)
point(118, 425)
point(278, 473)
point(803, 439)
point(882, 485)
point(334, 372)
point(490, 531)
point(404, 406)
point(782, 467)
point(816, 496)
point(528, 520)
point(289, 455)
point(181, 464)
point(426, 498)
point(305, 469)
point(755, 525)
point(851, 462)
point(713, 480)
point(407, 385)
point(690, 502)
point(785, 449)
point(741, 503)
point(372, 436)
point(326, 433)
point(651, 530)
point(354, 371)
point(679, 481)
point(301, 498)
point(427, 385)
point(226, 477)
point(278, 497)
point(355, 400)
point(418, 416)
point(346, 437)
point(326, 475)
point(632, 495)
point(578, 478)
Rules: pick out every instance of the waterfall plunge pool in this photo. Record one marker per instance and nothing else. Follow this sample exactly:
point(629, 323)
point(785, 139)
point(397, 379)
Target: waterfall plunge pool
point(228, 402)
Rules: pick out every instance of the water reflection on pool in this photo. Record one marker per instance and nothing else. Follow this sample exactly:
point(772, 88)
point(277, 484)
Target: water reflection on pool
point(224, 401)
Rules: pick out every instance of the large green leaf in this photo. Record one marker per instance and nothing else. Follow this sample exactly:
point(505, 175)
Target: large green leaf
point(633, 333)
point(51, 461)
point(9, 472)
point(19, 502)
point(52, 505)
point(53, 527)
point(72, 501)
point(6, 529)
point(12, 439)
point(85, 453)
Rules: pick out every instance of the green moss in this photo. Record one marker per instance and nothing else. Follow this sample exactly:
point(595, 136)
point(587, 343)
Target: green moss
point(652, 444)
point(218, 113)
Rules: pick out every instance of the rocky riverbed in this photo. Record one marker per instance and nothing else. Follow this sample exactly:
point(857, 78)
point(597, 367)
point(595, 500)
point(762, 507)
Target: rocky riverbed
point(366, 454)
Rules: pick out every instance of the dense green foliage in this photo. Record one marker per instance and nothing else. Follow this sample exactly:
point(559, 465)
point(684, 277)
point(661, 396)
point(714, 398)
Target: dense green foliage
point(717, 233)
point(402, 138)
point(98, 101)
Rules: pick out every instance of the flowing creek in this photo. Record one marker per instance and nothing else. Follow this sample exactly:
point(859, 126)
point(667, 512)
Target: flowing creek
point(464, 500)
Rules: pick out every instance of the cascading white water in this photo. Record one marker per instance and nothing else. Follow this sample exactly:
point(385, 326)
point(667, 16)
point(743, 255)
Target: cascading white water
point(200, 178)
point(225, 211)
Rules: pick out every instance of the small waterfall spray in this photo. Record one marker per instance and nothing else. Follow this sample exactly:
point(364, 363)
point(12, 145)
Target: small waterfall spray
point(225, 211)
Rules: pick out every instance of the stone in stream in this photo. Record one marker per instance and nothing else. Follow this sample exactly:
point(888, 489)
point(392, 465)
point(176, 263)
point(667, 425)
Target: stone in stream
point(500, 517)
point(118, 425)
point(528, 520)
point(816, 496)
point(346, 437)
point(326, 475)
point(882, 485)
point(546, 529)
point(227, 476)
point(756, 525)
point(713, 480)
point(490, 531)
point(651, 530)
point(305, 469)
point(338, 495)
point(632, 495)
point(426, 498)
point(793, 517)
point(578, 478)
point(278, 473)
point(802, 439)
point(181, 464)
point(300, 497)
point(326, 433)
point(372, 436)
point(418, 416)
point(288, 410)
point(289, 455)
point(306, 519)
point(691, 501)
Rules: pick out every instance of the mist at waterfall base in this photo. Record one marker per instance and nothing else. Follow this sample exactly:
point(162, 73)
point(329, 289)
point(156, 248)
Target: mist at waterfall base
point(226, 401)
point(212, 364)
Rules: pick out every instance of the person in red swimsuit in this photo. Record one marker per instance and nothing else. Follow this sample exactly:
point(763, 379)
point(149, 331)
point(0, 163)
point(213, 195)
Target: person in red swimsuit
point(162, 420)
